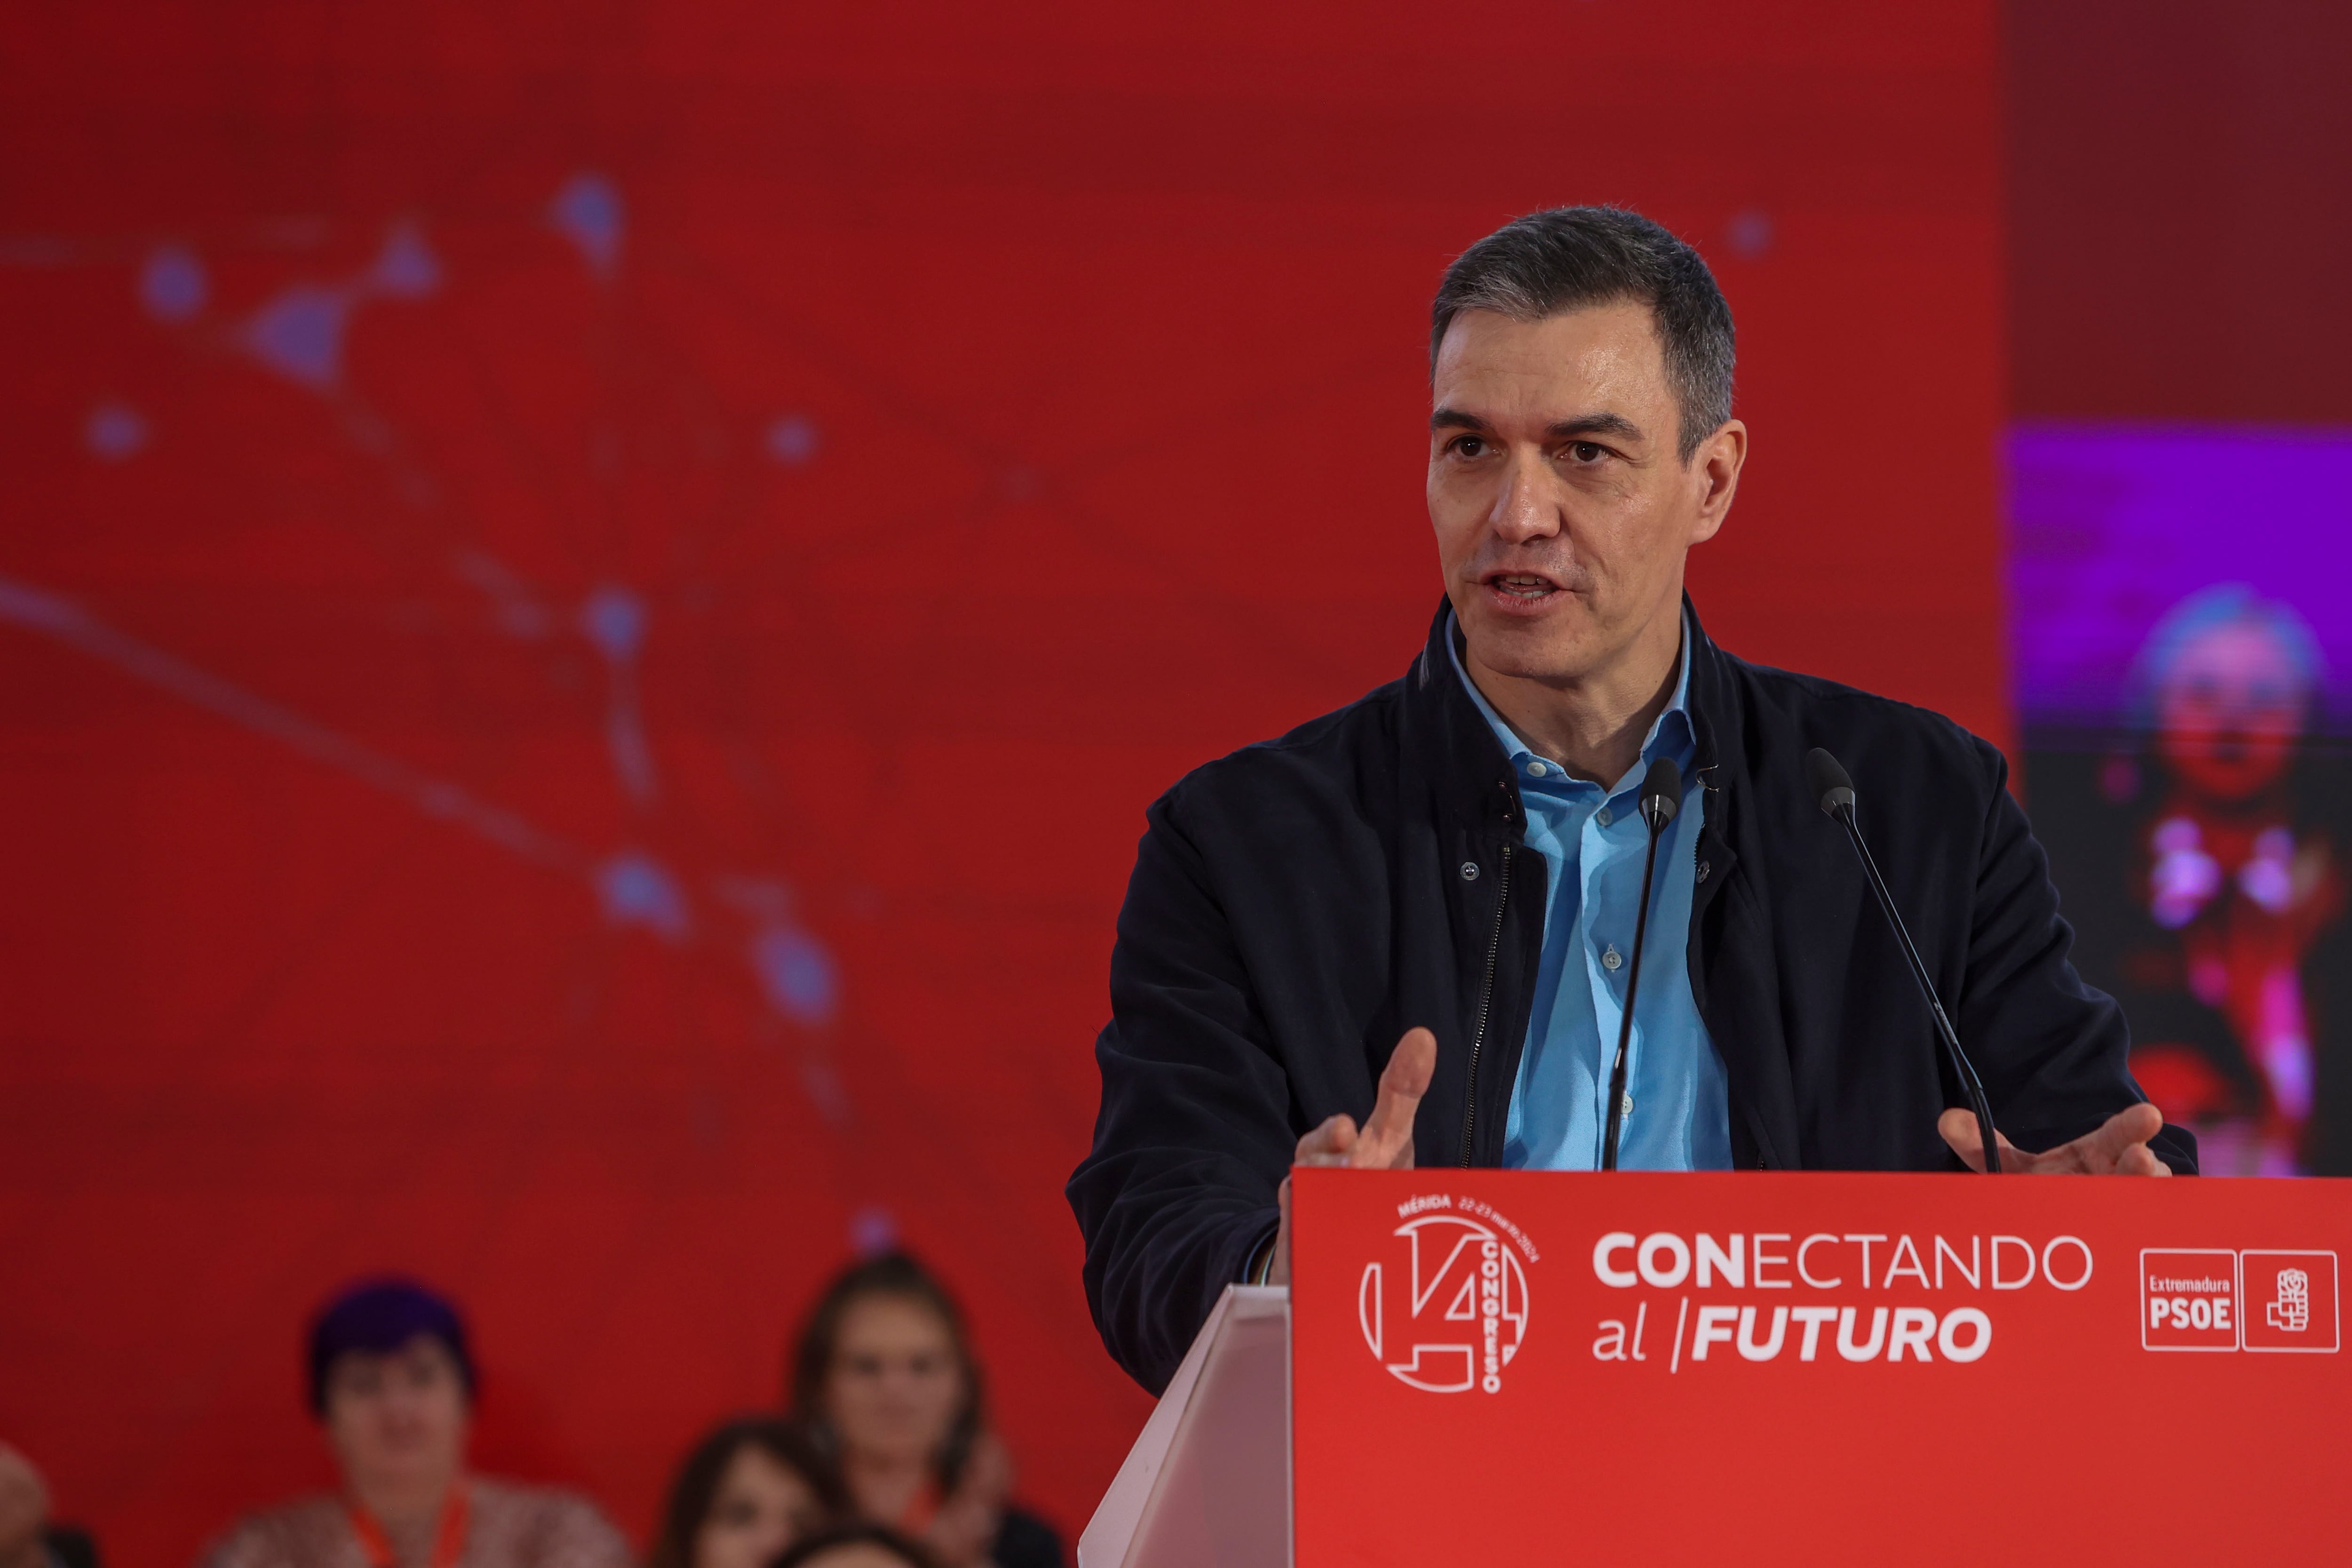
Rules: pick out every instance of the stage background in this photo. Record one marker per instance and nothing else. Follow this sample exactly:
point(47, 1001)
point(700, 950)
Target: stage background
point(592, 597)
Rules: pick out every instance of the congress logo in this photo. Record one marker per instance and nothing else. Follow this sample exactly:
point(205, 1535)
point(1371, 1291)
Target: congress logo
point(1448, 1309)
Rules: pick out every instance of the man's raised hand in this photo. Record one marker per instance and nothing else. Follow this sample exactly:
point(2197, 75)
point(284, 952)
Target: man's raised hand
point(1383, 1143)
point(2118, 1148)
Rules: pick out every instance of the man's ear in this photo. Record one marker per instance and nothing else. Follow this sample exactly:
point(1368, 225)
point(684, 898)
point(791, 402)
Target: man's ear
point(1715, 474)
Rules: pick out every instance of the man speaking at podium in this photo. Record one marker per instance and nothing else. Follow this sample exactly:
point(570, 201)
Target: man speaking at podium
point(1401, 934)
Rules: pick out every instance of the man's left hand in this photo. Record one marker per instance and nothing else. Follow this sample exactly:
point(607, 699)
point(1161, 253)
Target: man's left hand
point(2119, 1148)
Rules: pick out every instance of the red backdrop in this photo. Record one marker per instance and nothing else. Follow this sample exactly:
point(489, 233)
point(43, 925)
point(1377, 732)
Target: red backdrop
point(2179, 230)
point(592, 597)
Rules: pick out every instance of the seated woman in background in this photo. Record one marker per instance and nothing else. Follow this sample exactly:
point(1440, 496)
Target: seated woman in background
point(884, 1378)
point(752, 1489)
point(393, 1386)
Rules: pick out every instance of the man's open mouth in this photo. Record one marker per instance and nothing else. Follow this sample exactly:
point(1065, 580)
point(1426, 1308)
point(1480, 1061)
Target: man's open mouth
point(1528, 586)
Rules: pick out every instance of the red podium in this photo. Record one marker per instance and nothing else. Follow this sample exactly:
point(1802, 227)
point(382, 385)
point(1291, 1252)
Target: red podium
point(1522, 1367)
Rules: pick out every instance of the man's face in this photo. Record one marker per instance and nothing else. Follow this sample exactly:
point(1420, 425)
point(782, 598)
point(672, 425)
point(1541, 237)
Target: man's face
point(1562, 508)
point(399, 1419)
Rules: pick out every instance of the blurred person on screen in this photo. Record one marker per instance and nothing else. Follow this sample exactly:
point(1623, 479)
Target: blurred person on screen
point(885, 1379)
point(752, 1488)
point(2235, 885)
point(859, 1546)
point(391, 1384)
point(29, 1537)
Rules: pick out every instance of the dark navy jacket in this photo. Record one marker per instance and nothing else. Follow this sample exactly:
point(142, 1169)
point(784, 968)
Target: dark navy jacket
point(1299, 905)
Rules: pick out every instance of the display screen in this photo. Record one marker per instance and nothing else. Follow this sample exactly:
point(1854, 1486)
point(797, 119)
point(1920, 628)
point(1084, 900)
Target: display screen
point(2184, 685)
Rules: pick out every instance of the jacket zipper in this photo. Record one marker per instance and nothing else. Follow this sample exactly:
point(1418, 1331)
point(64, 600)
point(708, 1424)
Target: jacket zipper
point(1485, 1005)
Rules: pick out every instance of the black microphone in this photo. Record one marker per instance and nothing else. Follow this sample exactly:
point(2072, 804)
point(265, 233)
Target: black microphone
point(1661, 797)
point(1834, 790)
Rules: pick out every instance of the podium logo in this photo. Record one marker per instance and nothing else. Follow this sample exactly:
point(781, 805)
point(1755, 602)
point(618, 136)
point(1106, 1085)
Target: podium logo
point(1447, 1311)
point(2189, 1299)
point(2291, 1310)
point(2219, 1300)
point(2290, 1301)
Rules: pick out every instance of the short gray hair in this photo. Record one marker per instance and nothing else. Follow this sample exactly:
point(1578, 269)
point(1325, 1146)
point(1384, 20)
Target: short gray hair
point(1550, 263)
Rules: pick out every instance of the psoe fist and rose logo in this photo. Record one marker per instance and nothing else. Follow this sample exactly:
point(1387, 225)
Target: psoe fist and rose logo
point(1448, 1309)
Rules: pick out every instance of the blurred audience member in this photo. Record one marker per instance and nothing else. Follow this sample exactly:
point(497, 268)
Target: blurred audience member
point(2237, 887)
point(858, 1546)
point(28, 1538)
point(393, 1385)
point(750, 1490)
point(885, 1379)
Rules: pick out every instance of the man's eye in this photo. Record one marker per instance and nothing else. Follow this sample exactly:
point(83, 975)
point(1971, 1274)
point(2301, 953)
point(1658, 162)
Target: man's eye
point(1468, 446)
point(1585, 451)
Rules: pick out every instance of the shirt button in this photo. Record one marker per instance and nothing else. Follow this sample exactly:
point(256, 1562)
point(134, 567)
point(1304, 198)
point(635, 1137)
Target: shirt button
point(1625, 1106)
point(1535, 769)
point(1610, 960)
point(1603, 818)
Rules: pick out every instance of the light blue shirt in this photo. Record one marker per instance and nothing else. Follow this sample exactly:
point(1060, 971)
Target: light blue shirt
point(1593, 846)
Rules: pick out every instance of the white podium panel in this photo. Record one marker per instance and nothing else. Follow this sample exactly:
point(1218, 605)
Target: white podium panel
point(1207, 1484)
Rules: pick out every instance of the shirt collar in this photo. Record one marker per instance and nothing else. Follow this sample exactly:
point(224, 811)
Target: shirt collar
point(1670, 734)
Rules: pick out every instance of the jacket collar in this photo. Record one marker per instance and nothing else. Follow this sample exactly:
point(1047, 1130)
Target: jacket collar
point(1714, 707)
point(1445, 732)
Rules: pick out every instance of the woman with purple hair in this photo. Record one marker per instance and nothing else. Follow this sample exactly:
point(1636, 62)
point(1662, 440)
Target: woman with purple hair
point(392, 1384)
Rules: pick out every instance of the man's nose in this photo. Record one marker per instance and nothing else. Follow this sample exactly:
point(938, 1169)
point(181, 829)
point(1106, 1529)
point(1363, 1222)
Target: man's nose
point(1524, 508)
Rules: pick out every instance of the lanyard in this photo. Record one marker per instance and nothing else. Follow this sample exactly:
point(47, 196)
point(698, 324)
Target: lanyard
point(449, 1535)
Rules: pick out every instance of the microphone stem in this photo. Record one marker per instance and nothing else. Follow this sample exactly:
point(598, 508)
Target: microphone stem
point(1970, 1086)
point(1616, 1122)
